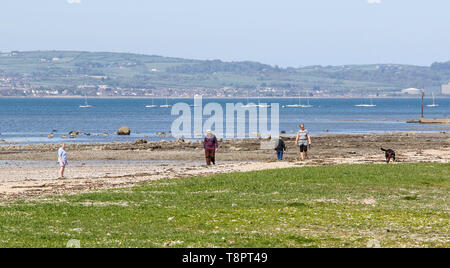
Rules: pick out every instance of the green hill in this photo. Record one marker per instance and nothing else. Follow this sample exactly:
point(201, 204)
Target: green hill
point(65, 72)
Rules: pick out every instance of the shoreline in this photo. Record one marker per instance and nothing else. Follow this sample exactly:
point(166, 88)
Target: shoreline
point(28, 171)
point(248, 144)
point(212, 97)
point(151, 138)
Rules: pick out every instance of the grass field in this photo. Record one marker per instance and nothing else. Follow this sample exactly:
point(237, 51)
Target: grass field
point(404, 205)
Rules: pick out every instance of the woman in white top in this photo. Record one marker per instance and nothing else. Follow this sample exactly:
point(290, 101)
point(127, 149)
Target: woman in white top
point(303, 140)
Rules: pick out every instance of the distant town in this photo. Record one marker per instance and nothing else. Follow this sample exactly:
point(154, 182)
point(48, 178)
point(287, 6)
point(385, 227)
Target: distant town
point(65, 74)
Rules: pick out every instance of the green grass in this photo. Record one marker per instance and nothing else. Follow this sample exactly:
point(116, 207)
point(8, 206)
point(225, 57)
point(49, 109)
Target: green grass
point(404, 205)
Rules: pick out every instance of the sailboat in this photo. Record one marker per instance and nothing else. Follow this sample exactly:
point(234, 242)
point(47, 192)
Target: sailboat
point(153, 104)
point(86, 105)
point(248, 105)
point(299, 105)
point(366, 105)
point(308, 105)
point(262, 105)
point(434, 103)
point(166, 105)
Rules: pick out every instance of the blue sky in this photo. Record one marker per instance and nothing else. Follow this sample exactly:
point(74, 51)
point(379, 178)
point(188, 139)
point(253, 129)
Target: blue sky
point(278, 32)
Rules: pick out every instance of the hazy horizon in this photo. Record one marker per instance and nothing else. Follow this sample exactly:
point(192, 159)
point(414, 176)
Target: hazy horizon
point(286, 33)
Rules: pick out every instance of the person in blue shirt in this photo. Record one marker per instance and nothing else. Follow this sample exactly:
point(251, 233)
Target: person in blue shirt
point(62, 160)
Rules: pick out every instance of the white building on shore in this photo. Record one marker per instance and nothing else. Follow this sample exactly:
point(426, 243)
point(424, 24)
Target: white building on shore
point(412, 91)
point(446, 89)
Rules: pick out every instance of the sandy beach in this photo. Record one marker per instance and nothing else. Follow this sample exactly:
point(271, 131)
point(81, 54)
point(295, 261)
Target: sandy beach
point(31, 170)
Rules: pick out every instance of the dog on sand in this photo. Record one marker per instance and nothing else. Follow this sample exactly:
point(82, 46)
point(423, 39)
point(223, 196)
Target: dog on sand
point(390, 155)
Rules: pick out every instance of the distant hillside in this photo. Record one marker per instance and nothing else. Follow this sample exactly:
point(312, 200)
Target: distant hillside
point(77, 73)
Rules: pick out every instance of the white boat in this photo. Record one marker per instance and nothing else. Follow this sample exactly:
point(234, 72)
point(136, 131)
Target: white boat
point(308, 105)
point(166, 105)
point(299, 105)
point(366, 105)
point(261, 105)
point(249, 105)
point(86, 105)
point(153, 104)
point(434, 103)
point(294, 106)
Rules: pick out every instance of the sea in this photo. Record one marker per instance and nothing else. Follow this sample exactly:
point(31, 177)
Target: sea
point(32, 120)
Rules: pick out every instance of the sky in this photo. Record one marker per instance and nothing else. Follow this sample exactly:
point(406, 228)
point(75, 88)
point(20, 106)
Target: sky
point(278, 32)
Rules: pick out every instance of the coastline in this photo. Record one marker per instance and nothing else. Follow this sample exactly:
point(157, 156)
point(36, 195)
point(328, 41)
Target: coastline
point(31, 170)
point(213, 97)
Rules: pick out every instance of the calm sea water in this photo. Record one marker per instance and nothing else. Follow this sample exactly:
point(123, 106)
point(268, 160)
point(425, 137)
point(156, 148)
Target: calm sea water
point(25, 121)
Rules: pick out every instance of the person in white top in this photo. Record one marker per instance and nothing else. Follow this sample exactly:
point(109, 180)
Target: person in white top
point(62, 160)
point(303, 141)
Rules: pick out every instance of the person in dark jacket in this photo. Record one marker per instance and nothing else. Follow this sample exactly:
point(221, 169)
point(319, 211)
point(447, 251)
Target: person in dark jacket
point(280, 148)
point(210, 147)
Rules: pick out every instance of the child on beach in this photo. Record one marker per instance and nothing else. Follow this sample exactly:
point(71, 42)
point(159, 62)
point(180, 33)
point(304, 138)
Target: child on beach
point(210, 147)
point(303, 141)
point(280, 148)
point(62, 160)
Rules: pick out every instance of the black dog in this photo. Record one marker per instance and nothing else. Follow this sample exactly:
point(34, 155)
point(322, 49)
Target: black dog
point(390, 154)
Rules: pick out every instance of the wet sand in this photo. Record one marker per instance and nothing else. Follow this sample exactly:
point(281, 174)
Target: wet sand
point(31, 170)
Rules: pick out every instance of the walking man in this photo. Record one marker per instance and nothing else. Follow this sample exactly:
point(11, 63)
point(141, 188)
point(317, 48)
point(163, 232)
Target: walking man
point(303, 141)
point(210, 147)
point(62, 160)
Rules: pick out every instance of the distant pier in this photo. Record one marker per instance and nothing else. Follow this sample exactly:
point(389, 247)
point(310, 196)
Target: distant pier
point(423, 120)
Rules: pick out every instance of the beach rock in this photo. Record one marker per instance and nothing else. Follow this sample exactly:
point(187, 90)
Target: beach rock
point(124, 131)
point(180, 140)
point(283, 132)
point(74, 133)
point(141, 141)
